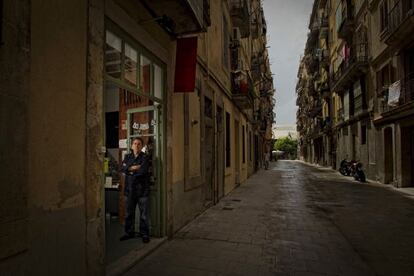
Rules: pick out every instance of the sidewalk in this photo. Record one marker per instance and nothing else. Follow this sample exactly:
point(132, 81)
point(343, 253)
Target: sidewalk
point(408, 192)
point(227, 239)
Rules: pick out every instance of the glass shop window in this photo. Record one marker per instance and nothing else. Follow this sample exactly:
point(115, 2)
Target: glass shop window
point(158, 82)
point(113, 51)
point(145, 77)
point(131, 60)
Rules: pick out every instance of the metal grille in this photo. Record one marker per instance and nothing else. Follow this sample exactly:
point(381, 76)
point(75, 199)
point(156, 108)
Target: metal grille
point(401, 10)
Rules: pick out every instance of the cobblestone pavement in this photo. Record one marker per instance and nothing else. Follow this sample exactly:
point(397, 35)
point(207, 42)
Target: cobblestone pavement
point(294, 219)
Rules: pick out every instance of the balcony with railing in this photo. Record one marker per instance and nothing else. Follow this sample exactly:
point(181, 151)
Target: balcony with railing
point(324, 32)
point(399, 98)
point(324, 22)
point(242, 90)
point(326, 124)
point(315, 108)
point(180, 17)
point(323, 57)
point(266, 88)
point(340, 116)
point(310, 87)
point(400, 22)
point(323, 89)
point(240, 16)
point(345, 19)
point(351, 68)
point(315, 129)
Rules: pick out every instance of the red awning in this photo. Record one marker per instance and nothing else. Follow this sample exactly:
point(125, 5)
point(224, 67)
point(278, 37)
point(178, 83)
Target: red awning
point(185, 64)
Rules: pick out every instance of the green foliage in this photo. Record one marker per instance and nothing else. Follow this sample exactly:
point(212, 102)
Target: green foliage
point(286, 144)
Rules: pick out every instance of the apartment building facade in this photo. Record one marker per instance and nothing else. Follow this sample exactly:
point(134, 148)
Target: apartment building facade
point(191, 78)
point(367, 102)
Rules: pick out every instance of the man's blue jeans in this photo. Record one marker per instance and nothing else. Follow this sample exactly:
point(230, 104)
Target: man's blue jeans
point(143, 205)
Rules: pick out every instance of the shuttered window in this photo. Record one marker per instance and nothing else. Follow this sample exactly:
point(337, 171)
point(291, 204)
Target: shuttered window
point(228, 144)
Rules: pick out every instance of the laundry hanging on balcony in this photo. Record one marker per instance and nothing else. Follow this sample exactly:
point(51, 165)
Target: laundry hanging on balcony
point(185, 65)
point(394, 93)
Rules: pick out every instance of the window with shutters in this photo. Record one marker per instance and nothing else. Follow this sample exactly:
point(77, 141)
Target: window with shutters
point(363, 134)
point(228, 145)
point(244, 144)
point(385, 77)
point(226, 44)
point(383, 8)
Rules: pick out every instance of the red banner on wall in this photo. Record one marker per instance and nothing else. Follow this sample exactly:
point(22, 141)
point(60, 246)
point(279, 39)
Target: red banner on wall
point(185, 65)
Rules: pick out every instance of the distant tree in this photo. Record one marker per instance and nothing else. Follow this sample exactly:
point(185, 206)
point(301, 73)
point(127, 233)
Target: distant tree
point(287, 145)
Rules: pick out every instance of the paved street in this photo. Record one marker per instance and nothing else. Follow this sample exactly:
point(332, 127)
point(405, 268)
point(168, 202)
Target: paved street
point(294, 219)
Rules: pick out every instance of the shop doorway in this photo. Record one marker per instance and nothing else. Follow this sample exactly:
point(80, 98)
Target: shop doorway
point(407, 159)
point(144, 122)
point(208, 161)
point(133, 107)
point(388, 156)
point(128, 115)
point(256, 153)
point(237, 150)
point(220, 152)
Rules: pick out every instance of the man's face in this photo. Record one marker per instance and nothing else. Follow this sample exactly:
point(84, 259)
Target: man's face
point(136, 145)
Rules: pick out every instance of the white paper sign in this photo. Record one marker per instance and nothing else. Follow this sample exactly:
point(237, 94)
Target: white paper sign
point(123, 144)
point(139, 126)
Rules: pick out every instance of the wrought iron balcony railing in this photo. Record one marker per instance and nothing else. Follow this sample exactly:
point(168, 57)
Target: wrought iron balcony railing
point(406, 95)
point(180, 17)
point(240, 14)
point(345, 19)
point(399, 24)
point(351, 67)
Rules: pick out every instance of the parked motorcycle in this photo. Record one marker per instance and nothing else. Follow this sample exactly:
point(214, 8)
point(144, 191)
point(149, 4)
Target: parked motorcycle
point(352, 168)
point(358, 173)
point(345, 167)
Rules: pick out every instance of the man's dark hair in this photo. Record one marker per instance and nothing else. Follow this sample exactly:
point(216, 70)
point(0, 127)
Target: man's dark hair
point(138, 138)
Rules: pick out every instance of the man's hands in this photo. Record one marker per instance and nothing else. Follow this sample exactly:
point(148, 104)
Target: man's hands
point(134, 168)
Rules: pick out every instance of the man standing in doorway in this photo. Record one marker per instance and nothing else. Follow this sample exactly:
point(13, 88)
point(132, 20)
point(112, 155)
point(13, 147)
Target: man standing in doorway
point(135, 168)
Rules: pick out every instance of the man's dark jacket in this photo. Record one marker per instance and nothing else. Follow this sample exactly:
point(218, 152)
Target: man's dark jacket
point(136, 182)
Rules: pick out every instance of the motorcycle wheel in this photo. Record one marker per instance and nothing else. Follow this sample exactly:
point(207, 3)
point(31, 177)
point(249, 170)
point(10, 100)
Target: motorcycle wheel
point(361, 176)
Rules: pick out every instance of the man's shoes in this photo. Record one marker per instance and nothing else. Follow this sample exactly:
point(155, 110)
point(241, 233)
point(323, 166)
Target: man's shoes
point(126, 237)
point(145, 239)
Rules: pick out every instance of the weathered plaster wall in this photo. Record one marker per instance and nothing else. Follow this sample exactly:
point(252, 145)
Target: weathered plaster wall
point(14, 116)
point(94, 191)
point(57, 138)
point(187, 192)
point(194, 133)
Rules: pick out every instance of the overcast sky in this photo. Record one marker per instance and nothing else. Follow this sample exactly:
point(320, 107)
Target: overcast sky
point(287, 27)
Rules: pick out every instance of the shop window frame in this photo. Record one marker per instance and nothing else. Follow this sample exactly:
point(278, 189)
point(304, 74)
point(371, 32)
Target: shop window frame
point(141, 52)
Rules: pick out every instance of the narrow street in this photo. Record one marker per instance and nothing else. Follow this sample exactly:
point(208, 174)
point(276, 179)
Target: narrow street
point(294, 219)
